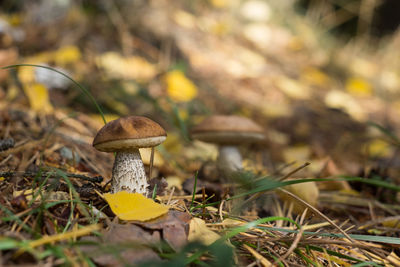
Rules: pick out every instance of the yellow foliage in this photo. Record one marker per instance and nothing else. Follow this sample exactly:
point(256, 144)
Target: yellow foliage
point(184, 19)
point(66, 55)
point(198, 231)
point(379, 148)
point(315, 76)
point(308, 192)
point(220, 3)
point(12, 92)
point(133, 67)
point(179, 87)
point(300, 153)
point(26, 74)
point(342, 100)
point(392, 222)
point(173, 144)
point(109, 117)
point(358, 87)
point(134, 206)
point(145, 153)
point(38, 97)
point(292, 88)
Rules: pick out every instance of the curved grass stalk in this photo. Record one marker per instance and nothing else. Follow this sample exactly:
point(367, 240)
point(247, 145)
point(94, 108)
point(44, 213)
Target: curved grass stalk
point(83, 89)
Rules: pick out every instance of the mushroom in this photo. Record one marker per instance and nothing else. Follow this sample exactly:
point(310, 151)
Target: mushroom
point(125, 136)
point(228, 132)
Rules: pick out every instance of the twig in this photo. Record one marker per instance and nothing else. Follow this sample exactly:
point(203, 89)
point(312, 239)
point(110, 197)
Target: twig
point(294, 171)
point(95, 179)
point(151, 162)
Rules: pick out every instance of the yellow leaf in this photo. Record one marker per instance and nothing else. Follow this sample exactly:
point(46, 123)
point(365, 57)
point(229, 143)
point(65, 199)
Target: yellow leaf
point(315, 76)
point(299, 153)
point(358, 87)
point(145, 153)
point(219, 3)
point(379, 148)
point(133, 67)
point(342, 100)
point(12, 92)
point(66, 55)
point(26, 74)
point(174, 181)
point(109, 117)
point(179, 87)
point(38, 97)
point(198, 231)
point(134, 206)
point(184, 19)
point(392, 222)
point(27, 193)
point(292, 88)
point(308, 192)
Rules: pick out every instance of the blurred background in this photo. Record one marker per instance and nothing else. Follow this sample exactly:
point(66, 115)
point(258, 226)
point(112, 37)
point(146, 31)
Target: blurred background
point(322, 77)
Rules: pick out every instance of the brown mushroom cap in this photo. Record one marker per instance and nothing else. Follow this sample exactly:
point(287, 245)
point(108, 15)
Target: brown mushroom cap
point(128, 133)
point(231, 129)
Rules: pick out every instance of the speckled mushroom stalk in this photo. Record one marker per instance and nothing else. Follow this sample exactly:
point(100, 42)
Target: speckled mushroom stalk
point(125, 136)
point(128, 173)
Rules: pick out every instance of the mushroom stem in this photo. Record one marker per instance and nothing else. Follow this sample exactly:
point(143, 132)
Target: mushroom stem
point(128, 173)
point(229, 160)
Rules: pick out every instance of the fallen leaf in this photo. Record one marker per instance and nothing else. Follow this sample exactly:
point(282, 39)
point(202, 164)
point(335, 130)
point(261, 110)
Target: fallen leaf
point(358, 87)
point(145, 153)
point(198, 231)
point(133, 67)
point(362, 67)
point(379, 148)
point(184, 19)
point(38, 97)
point(299, 153)
point(179, 87)
point(174, 226)
point(308, 192)
point(342, 100)
point(134, 206)
point(390, 80)
point(315, 76)
point(393, 222)
point(174, 181)
point(220, 3)
point(129, 240)
point(293, 88)
point(66, 55)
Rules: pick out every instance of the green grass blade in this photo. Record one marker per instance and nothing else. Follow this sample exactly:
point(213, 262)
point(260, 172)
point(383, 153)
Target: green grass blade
point(370, 238)
point(194, 190)
point(252, 224)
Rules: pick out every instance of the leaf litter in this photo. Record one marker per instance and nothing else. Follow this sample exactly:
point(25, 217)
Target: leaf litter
point(336, 108)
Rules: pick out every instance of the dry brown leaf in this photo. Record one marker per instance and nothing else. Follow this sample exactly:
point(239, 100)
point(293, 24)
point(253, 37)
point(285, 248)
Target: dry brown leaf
point(174, 227)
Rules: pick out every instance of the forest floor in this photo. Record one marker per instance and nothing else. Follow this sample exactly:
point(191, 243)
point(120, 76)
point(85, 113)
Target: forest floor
point(322, 190)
